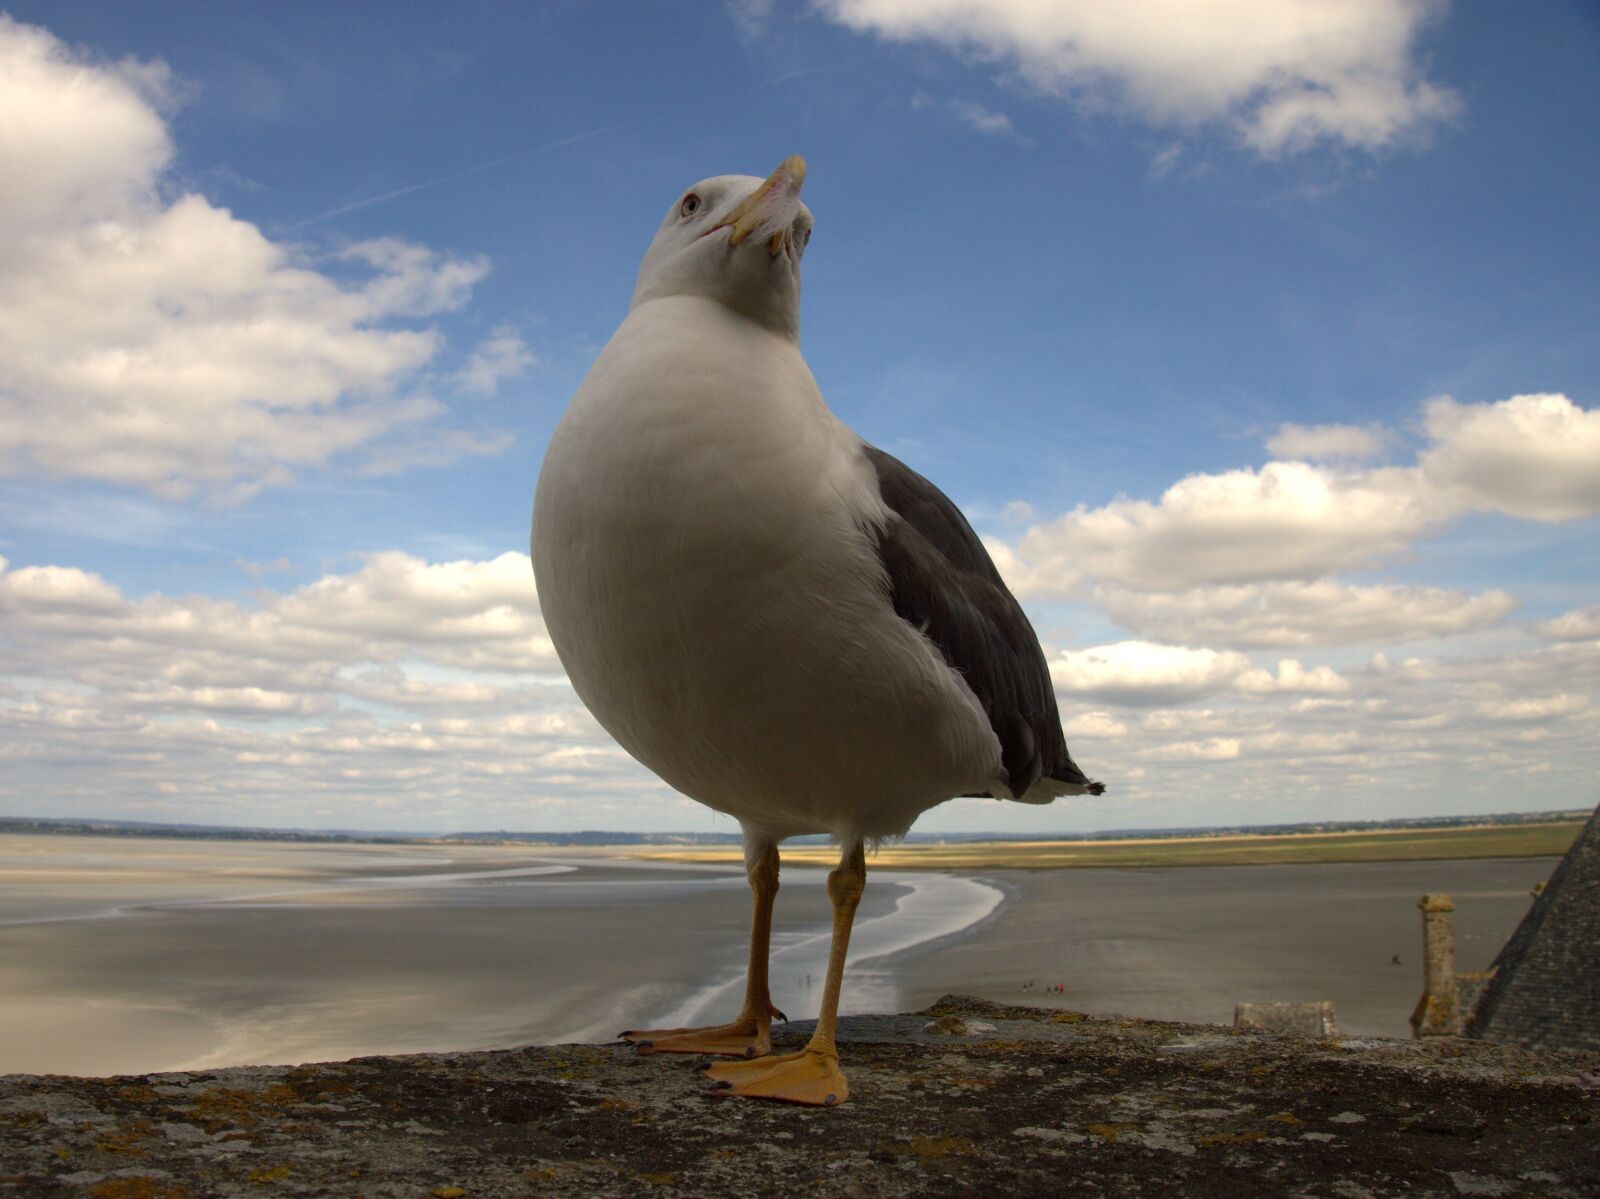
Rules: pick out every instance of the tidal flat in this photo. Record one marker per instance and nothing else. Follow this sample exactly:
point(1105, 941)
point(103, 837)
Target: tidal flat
point(124, 955)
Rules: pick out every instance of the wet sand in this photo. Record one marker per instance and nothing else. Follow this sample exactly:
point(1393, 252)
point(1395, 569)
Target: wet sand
point(1189, 943)
point(123, 955)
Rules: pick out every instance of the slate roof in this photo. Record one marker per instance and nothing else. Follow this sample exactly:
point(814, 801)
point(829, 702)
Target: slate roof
point(1545, 993)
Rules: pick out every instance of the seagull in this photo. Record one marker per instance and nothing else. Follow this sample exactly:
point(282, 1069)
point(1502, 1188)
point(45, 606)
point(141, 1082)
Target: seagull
point(781, 621)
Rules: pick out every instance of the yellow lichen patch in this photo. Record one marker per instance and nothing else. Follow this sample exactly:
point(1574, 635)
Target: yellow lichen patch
point(305, 1079)
point(139, 1093)
point(448, 1192)
point(1111, 1130)
point(125, 1138)
point(262, 1175)
point(1285, 1118)
point(1232, 1138)
point(928, 1147)
point(660, 1180)
point(227, 1107)
point(137, 1188)
point(974, 1081)
point(614, 1105)
point(1068, 1018)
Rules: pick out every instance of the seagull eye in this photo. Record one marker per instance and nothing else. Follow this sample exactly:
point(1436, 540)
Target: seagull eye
point(690, 206)
point(805, 237)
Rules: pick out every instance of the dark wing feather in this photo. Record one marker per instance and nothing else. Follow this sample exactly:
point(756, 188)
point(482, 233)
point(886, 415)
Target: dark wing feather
point(943, 581)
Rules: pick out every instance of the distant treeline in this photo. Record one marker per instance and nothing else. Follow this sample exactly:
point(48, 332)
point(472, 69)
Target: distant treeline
point(209, 832)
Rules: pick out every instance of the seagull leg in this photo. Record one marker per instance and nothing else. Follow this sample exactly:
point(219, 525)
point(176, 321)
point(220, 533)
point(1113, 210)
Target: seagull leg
point(750, 1034)
point(812, 1075)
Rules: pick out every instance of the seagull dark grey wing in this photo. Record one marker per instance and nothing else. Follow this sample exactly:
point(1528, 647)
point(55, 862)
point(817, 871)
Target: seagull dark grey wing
point(943, 581)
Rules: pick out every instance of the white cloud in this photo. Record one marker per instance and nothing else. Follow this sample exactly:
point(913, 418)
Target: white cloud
point(1283, 74)
point(750, 16)
point(404, 693)
point(1287, 520)
point(986, 120)
point(398, 683)
point(1140, 674)
point(79, 138)
point(1216, 749)
point(1321, 443)
point(500, 356)
point(255, 570)
point(1535, 709)
point(1581, 624)
point(395, 608)
point(1163, 162)
point(150, 338)
point(1292, 677)
point(1533, 456)
point(1323, 612)
point(1094, 724)
point(1536, 457)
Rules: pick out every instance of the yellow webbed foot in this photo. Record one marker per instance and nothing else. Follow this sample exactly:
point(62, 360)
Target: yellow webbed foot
point(810, 1076)
point(745, 1038)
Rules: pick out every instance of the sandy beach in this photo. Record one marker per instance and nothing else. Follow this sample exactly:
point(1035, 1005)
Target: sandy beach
point(132, 955)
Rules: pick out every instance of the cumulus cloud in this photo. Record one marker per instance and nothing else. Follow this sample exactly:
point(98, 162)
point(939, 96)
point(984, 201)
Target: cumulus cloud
point(152, 339)
point(395, 608)
point(1141, 674)
point(1321, 443)
point(1581, 624)
point(399, 692)
point(1533, 456)
point(1533, 709)
point(1282, 74)
point(397, 682)
point(1292, 677)
point(1536, 457)
point(1214, 749)
point(1094, 724)
point(1287, 520)
point(1320, 612)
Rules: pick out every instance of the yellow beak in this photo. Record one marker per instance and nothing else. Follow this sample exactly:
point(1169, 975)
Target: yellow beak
point(771, 208)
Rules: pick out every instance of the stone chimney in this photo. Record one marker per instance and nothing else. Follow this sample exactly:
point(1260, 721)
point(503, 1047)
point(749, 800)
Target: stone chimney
point(1437, 1013)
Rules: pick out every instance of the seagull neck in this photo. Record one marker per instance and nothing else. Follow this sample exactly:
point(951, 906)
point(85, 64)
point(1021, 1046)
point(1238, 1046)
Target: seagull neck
point(700, 307)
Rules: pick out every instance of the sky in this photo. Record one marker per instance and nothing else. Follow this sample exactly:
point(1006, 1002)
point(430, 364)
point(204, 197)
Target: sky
point(1257, 339)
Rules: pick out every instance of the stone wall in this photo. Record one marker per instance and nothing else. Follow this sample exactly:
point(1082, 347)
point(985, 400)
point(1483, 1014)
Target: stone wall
point(996, 1100)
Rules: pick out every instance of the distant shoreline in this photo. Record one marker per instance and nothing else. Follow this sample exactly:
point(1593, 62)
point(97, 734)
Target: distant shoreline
point(722, 846)
point(1462, 842)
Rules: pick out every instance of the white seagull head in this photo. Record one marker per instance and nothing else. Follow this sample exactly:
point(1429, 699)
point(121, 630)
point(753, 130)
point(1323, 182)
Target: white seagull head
point(735, 239)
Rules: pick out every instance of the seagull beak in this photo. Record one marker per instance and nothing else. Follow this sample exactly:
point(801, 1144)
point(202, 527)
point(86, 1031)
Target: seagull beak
point(770, 210)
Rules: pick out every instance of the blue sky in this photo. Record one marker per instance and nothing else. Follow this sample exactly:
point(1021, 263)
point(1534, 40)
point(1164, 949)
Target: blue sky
point(1259, 342)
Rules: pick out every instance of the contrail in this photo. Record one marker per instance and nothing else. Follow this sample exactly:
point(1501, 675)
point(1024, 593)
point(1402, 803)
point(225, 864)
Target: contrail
point(385, 197)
